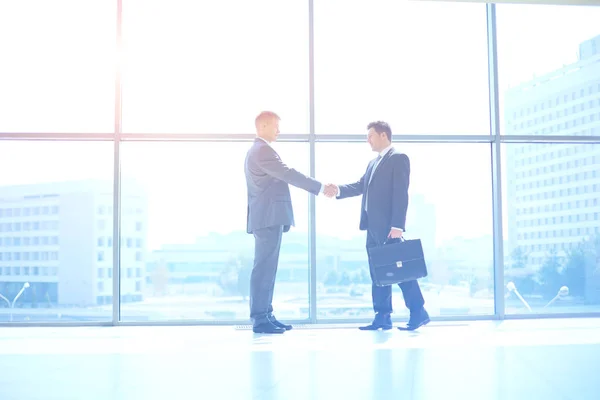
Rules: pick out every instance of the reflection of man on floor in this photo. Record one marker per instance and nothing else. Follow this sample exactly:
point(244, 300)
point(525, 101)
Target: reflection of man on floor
point(270, 214)
point(384, 188)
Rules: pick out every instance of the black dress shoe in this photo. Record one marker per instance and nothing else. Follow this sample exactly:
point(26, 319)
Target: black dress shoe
point(381, 321)
point(267, 327)
point(416, 321)
point(278, 324)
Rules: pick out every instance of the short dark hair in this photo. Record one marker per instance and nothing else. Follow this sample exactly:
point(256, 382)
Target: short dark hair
point(381, 127)
point(264, 116)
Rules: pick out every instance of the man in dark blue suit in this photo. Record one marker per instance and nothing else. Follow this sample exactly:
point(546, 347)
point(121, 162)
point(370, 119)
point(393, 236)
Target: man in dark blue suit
point(384, 188)
point(270, 214)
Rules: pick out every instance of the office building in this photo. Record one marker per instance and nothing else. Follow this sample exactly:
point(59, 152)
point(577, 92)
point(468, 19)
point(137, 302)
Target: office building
point(58, 238)
point(554, 189)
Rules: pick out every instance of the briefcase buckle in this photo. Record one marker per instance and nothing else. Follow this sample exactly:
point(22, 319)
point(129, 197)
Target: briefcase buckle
point(398, 264)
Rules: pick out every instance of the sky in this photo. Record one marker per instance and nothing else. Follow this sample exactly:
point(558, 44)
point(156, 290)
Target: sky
point(195, 68)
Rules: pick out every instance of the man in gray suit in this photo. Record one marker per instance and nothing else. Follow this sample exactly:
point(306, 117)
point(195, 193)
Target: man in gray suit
point(270, 214)
point(384, 190)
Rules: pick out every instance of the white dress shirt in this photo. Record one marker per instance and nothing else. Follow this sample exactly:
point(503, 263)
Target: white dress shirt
point(382, 153)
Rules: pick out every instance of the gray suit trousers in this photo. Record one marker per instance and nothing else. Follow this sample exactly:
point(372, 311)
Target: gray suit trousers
point(267, 243)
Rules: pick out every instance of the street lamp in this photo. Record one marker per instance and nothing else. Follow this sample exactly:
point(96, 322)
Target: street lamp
point(562, 292)
point(11, 305)
point(512, 288)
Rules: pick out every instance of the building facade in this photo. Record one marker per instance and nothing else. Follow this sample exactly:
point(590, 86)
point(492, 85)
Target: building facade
point(58, 238)
point(554, 190)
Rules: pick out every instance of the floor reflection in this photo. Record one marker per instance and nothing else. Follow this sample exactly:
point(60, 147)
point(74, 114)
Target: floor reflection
point(512, 360)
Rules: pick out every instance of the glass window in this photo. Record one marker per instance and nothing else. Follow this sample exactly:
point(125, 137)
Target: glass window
point(198, 257)
point(59, 75)
point(421, 66)
point(552, 266)
point(545, 53)
point(199, 67)
point(67, 285)
point(450, 210)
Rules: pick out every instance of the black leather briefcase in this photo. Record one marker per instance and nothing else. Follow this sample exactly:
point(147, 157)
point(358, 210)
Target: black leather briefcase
point(397, 262)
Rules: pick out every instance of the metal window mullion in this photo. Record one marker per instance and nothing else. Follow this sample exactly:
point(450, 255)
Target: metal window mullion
point(408, 138)
point(116, 303)
point(290, 138)
point(207, 137)
point(496, 161)
point(548, 139)
point(57, 136)
point(312, 243)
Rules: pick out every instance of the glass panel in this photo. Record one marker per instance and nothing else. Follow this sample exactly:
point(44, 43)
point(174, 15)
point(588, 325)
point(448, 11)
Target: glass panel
point(552, 223)
point(201, 67)
point(184, 217)
point(58, 69)
point(55, 217)
point(450, 210)
point(421, 66)
point(549, 69)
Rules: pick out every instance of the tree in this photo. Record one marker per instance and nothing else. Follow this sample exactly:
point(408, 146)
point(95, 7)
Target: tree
point(592, 277)
point(550, 276)
point(331, 278)
point(344, 279)
point(574, 271)
point(581, 268)
point(365, 276)
point(593, 246)
point(235, 277)
point(244, 275)
point(228, 278)
point(519, 258)
point(518, 274)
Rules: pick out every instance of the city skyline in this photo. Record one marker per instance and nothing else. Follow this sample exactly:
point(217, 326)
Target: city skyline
point(172, 199)
point(97, 161)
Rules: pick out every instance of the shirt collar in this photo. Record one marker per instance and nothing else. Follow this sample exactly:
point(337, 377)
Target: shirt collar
point(383, 152)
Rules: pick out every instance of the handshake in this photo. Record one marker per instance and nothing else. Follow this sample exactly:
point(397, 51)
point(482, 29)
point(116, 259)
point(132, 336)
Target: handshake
point(331, 190)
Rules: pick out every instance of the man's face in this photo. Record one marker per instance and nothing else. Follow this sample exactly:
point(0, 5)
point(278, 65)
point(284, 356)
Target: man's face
point(378, 141)
point(271, 129)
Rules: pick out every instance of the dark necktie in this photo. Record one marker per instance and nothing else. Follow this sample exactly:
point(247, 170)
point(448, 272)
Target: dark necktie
point(371, 177)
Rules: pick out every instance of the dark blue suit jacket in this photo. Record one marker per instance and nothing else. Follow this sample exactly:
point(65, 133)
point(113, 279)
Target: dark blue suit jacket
point(388, 194)
point(268, 180)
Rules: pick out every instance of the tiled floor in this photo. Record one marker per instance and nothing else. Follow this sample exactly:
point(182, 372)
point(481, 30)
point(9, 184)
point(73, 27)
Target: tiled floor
point(513, 360)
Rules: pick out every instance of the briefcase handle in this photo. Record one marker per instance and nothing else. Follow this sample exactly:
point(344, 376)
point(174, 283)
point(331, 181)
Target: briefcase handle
point(401, 239)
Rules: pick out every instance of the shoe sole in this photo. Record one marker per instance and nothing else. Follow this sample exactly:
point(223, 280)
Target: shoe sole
point(406, 328)
point(383, 328)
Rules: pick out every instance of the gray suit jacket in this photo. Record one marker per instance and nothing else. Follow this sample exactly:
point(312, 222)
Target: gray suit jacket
point(388, 194)
point(267, 178)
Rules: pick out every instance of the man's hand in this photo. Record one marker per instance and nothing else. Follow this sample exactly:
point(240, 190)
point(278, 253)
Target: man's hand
point(331, 190)
point(395, 233)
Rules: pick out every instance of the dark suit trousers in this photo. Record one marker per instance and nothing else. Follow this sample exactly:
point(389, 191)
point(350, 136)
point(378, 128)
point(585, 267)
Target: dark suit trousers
point(267, 243)
point(382, 295)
